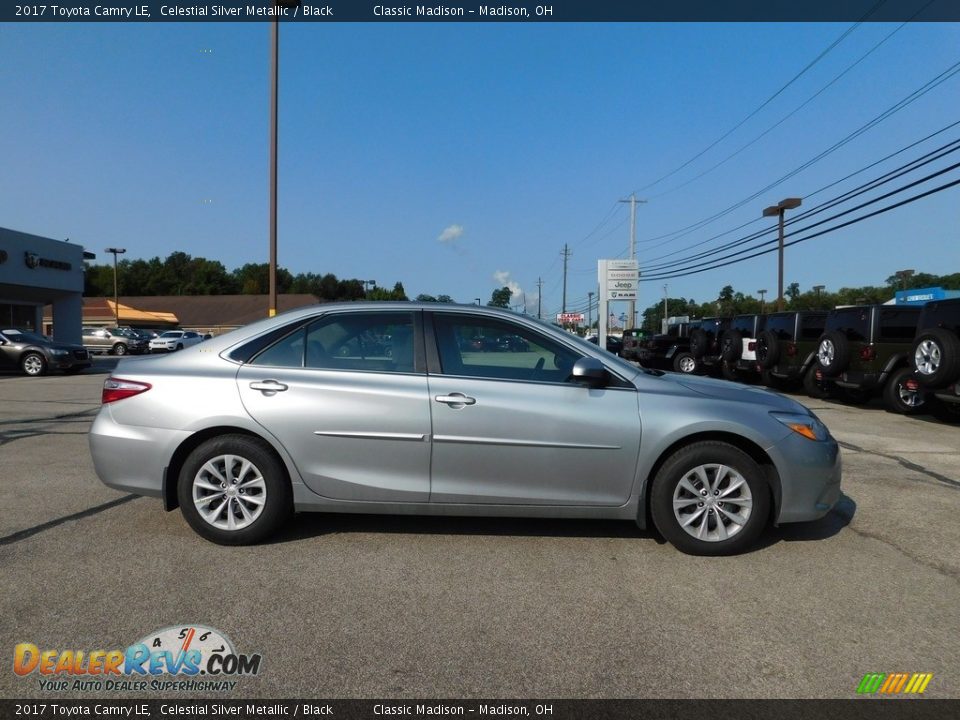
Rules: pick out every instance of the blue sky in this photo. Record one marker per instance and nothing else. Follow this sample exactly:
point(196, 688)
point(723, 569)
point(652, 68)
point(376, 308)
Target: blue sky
point(512, 138)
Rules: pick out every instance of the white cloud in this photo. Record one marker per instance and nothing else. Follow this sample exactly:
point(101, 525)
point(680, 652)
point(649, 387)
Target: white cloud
point(450, 234)
point(517, 294)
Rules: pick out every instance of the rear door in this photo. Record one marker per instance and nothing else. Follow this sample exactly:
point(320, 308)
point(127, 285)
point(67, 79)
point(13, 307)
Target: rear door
point(346, 395)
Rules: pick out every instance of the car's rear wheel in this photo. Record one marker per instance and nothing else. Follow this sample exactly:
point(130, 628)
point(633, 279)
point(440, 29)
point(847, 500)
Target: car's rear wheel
point(729, 371)
point(936, 357)
point(33, 364)
point(685, 363)
point(234, 491)
point(773, 382)
point(768, 349)
point(119, 349)
point(898, 397)
point(710, 498)
point(833, 353)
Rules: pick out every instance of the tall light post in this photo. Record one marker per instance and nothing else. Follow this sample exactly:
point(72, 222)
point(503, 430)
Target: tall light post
point(817, 289)
point(663, 325)
point(778, 210)
point(274, 79)
point(116, 294)
point(589, 310)
point(762, 294)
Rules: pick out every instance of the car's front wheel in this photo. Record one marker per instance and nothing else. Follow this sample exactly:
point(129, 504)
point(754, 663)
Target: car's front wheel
point(710, 498)
point(33, 364)
point(119, 349)
point(234, 491)
point(685, 363)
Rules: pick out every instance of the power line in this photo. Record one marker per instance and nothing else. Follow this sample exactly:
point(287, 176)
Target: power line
point(891, 175)
point(889, 112)
point(692, 271)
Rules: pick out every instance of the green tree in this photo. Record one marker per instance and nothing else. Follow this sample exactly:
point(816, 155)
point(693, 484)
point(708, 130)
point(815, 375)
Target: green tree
point(500, 298)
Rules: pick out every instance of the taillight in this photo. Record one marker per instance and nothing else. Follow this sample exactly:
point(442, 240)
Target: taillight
point(868, 354)
point(117, 389)
point(791, 350)
point(912, 385)
point(819, 375)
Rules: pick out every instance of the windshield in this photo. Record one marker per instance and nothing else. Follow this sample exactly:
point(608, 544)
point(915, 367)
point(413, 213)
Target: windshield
point(18, 336)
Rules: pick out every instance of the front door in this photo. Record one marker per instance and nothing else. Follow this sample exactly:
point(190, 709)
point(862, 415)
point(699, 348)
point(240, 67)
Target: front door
point(510, 428)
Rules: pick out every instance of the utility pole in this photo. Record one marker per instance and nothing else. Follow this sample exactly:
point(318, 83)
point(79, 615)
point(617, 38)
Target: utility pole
point(763, 294)
point(665, 316)
point(539, 298)
point(633, 248)
point(566, 256)
point(589, 311)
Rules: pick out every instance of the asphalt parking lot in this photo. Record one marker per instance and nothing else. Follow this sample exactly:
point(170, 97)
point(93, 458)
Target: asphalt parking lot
point(354, 606)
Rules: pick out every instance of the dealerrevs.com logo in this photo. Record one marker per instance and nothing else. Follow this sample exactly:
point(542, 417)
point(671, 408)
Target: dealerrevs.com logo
point(176, 658)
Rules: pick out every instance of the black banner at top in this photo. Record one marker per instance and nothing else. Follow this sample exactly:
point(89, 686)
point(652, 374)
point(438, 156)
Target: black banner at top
point(470, 11)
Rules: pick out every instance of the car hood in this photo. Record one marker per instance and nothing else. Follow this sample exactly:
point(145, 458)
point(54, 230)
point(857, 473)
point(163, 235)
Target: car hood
point(736, 392)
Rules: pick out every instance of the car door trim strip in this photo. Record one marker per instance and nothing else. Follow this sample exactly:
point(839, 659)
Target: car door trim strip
point(518, 443)
point(371, 435)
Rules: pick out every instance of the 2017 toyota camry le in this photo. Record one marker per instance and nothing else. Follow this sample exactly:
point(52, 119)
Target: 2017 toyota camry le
point(388, 408)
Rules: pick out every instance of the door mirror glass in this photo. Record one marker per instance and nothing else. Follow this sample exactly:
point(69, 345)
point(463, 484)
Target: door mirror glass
point(589, 371)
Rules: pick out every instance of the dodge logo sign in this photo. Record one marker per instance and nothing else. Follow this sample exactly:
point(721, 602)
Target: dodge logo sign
point(31, 259)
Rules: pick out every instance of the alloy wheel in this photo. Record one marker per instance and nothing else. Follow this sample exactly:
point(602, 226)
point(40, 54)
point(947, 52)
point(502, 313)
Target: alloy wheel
point(687, 365)
point(927, 357)
point(826, 352)
point(712, 502)
point(33, 364)
point(229, 492)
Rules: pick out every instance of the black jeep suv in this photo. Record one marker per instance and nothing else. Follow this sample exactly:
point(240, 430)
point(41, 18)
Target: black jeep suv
point(867, 348)
point(671, 350)
point(787, 350)
point(935, 355)
point(705, 346)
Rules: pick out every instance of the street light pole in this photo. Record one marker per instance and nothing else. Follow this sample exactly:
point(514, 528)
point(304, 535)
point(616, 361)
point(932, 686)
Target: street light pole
point(778, 210)
point(763, 295)
point(274, 73)
point(817, 289)
point(116, 294)
point(590, 311)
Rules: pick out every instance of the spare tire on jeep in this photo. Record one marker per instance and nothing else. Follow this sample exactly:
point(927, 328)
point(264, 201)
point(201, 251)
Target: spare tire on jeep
point(936, 357)
point(731, 345)
point(768, 349)
point(699, 342)
point(833, 353)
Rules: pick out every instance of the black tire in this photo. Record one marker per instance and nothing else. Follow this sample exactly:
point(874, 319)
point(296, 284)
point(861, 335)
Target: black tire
point(731, 345)
point(119, 349)
point(810, 385)
point(942, 366)
point(277, 497)
point(699, 342)
point(948, 412)
point(899, 399)
point(768, 349)
point(33, 364)
point(667, 485)
point(841, 353)
point(179, 346)
point(729, 371)
point(685, 363)
point(773, 382)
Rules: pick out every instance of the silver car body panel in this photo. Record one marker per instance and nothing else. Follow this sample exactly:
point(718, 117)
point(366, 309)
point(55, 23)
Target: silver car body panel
point(378, 442)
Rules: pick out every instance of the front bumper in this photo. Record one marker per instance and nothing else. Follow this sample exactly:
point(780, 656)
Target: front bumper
point(810, 475)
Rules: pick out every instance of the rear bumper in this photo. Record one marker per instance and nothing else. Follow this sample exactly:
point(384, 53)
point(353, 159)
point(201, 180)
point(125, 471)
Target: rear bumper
point(132, 458)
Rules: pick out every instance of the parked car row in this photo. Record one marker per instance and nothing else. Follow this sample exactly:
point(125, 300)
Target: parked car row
point(908, 355)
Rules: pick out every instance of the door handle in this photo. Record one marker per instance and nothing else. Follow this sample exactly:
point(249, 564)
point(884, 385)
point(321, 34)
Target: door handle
point(268, 386)
point(455, 399)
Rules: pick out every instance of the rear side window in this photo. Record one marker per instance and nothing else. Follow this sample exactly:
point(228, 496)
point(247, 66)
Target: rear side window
point(781, 325)
point(812, 326)
point(372, 342)
point(854, 323)
point(898, 324)
point(941, 314)
point(745, 324)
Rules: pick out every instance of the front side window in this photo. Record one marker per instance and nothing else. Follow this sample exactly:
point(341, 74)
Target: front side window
point(494, 349)
point(372, 342)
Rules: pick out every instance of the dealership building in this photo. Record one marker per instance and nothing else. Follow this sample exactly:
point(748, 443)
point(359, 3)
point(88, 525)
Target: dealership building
point(37, 271)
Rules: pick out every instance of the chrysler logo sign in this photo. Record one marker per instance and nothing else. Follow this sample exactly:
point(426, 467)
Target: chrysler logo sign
point(33, 261)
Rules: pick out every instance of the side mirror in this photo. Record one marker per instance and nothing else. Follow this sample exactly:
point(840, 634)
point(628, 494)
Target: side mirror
point(590, 372)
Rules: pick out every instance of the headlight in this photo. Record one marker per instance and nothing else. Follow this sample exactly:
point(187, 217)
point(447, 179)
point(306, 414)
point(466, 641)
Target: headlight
point(807, 425)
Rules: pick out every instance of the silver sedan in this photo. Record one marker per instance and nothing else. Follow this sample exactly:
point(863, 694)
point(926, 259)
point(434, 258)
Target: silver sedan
point(395, 408)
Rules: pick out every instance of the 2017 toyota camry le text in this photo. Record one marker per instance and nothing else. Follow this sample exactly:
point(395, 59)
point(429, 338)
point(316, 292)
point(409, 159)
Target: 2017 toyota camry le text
point(392, 408)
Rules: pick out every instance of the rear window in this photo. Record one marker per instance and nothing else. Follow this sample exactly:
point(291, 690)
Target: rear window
point(852, 322)
point(812, 325)
point(898, 324)
point(781, 325)
point(745, 324)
